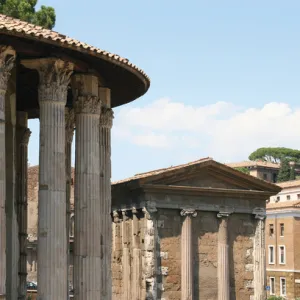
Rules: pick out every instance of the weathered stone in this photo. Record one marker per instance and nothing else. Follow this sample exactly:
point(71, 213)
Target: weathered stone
point(88, 205)
point(7, 59)
point(52, 244)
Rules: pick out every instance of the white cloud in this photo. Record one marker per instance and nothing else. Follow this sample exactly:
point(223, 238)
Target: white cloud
point(221, 130)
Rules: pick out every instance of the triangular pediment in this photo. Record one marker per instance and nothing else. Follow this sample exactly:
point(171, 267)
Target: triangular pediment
point(210, 174)
point(203, 179)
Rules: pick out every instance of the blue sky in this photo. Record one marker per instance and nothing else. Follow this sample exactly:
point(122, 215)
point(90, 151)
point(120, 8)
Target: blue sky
point(224, 76)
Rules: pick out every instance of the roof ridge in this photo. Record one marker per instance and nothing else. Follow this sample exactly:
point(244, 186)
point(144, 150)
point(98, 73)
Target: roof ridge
point(176, 166)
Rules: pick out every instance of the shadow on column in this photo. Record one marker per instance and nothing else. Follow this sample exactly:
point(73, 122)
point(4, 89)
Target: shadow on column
point(159, 275)
point(205, 247)
point(231, 239)
point(240, 230)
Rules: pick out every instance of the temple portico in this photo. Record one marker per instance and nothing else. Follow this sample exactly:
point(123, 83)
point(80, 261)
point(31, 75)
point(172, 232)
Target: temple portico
point(69, 86)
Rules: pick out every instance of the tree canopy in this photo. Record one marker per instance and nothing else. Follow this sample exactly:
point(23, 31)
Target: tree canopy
point(25, 10)
point(275, 155)
point(286, 173)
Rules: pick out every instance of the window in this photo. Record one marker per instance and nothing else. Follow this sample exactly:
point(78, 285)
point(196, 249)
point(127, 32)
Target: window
point(288, 197)
point(282, 255)
point(277, 199)
point(265, 176)
point(282, 286)
point(271, 255)
point(281, 229)
point(298, 196)
point(272, 285)
point(271, 230)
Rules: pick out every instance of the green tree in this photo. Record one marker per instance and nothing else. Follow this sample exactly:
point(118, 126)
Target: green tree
point(284, 171)
point(275, 154)
point(292, 173)
point(25, 10)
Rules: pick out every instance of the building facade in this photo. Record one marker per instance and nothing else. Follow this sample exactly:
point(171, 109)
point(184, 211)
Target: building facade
point(260, 169)
point(283, 242)
point(194, 231)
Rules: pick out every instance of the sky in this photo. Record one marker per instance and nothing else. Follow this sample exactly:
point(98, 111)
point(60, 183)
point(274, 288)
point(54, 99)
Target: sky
point(225, 77)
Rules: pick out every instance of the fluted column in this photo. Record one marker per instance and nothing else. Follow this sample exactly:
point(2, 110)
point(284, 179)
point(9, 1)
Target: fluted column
point(259, 257)
point(126, 258)
point(88, 206)
point(187, 274)
point(106, 119)
point(136, 257)
point(223, 258)
point(116, 255)
point(150, 266)
point(52, 245)
point(23, 135)
point(117, 238)
point(7, 58)
point(70, 123)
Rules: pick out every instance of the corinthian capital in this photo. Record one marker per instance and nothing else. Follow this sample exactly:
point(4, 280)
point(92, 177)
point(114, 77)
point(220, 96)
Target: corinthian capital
point(55, 77)
point(106, 117)
point(88, 105)
point(85, 92)
point(188, 212)
point(7, 59)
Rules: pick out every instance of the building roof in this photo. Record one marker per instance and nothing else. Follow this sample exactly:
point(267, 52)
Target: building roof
point(284, 204)
point(8, 24)
point(32, 41)
point(161, 171)
point(246, 164)
point(208, 161)
point(288, 184)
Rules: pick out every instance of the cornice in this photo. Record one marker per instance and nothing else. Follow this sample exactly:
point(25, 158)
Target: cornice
point(203, 190)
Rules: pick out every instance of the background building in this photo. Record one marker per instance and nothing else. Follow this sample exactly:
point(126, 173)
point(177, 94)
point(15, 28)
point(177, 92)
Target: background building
point(259, 169)
point(283, 241)
point(282, 230)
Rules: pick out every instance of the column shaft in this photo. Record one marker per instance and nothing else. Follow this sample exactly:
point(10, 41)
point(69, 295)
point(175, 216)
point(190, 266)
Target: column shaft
point(12, 241)
point(88, 207)
point(52, 245)
point(260, 259)
point(7, 57)
point(70, 119)
point(126, 259)
point(223, 259)
point(187, 255)
point(150, 268)
point(117, 255)
point(23, 134)
point(105, 190)
point(136, 259)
